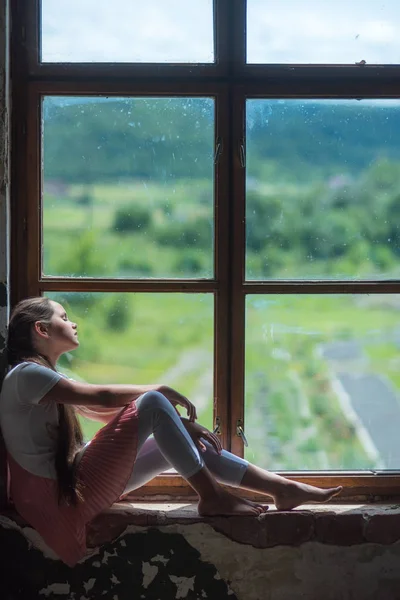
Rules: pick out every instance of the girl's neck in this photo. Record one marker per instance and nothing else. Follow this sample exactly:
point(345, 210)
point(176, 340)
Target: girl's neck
point(42, 360)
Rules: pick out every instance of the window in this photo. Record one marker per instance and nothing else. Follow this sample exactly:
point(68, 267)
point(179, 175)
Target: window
point(215, 194)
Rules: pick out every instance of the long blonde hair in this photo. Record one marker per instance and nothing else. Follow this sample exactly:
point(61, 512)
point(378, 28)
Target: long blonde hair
point(20, 348)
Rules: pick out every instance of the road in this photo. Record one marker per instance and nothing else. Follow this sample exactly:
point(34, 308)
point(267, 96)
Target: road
point(372, 397)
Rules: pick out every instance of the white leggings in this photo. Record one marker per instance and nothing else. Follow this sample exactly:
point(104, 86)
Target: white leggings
point(172, 446)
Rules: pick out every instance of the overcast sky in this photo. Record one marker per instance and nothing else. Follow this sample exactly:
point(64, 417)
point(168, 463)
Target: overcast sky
point(286, 31)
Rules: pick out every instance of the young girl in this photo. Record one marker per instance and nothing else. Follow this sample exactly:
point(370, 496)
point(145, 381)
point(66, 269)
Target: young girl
point(57, 484)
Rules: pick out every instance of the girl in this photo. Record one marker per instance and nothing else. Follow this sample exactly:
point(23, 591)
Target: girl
point(58, 485)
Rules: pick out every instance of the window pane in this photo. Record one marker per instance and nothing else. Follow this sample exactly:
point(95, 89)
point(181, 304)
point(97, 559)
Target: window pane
point(322, 382)
point(323, 189)
point(126, 338)
point(128, 187)
point(164, 31)
point(328, 32)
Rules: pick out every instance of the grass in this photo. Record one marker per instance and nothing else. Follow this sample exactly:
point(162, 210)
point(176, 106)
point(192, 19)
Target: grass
point(386, 361)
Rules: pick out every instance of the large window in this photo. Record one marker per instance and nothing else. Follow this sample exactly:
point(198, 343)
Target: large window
point(213, 191)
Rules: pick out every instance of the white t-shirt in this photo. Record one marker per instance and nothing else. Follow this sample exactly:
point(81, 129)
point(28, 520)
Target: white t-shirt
point(29, 428)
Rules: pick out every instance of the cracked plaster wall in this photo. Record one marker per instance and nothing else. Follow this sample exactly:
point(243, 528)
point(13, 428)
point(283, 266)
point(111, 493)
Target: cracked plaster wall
point(195, 562)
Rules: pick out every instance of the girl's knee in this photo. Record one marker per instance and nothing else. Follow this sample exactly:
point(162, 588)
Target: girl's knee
point(153, 400)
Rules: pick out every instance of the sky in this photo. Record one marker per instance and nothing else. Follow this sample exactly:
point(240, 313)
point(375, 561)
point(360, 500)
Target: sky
point(278, 31)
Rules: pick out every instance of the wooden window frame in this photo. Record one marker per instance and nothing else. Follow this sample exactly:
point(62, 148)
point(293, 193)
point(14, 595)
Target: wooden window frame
point(230, 81)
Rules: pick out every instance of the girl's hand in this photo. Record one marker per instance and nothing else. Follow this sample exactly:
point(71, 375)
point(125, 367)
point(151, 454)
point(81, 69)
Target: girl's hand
point(197, 431)
point(177, 399)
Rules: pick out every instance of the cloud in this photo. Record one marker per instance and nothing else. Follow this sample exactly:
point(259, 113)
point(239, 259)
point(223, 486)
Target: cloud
point(279, 31)
point(121, 31)
point(379, 32)
point(323, 31)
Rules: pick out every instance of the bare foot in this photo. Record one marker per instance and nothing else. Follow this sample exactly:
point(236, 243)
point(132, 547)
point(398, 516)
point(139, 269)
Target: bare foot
point(261, 507)
point(301, 493)
point(225, 504)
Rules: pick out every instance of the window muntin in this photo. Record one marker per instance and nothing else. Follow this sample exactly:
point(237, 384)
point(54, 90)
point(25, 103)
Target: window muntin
point(92, 31)
point(322, 383)
point(143, 338)
point(322, 189)
point(128, 187)
point(328, 32)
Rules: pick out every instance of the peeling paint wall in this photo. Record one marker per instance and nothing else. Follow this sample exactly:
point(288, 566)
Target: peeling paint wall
point(195, 562)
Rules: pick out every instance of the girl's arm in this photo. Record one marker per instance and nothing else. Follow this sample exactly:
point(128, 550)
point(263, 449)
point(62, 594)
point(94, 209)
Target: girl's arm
point(67, 391)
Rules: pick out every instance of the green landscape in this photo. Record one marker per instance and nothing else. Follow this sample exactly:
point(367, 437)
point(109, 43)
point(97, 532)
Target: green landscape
point(128, 192)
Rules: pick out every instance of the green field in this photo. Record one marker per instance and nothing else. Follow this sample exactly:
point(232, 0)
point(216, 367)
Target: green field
point(130, 231)
point(293, 417)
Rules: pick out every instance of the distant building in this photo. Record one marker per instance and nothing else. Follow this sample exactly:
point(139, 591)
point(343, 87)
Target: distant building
point(55, 187)
point(339, 181)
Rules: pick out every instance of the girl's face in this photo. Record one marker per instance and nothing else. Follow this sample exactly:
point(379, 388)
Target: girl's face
point(63, 333)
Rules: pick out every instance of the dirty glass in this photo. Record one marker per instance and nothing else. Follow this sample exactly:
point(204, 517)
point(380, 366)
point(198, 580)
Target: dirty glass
point(322, 382)
point(323, 189)
point(323, 32)
point(128, 187)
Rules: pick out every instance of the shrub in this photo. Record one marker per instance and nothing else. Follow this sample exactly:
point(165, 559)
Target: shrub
point(136, 266)
point(131, 218)
point(188, 262)
point(117, 315)
point(84, 259)
point(196, 233)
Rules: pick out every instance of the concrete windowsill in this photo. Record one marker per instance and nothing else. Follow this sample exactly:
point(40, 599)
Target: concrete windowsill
point(337, 524)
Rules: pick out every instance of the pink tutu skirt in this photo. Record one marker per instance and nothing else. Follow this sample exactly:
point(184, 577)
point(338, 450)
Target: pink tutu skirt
point(103, 471)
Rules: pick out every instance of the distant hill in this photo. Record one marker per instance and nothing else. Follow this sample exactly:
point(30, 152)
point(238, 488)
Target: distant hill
point(324, 138)
point(97, 140)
